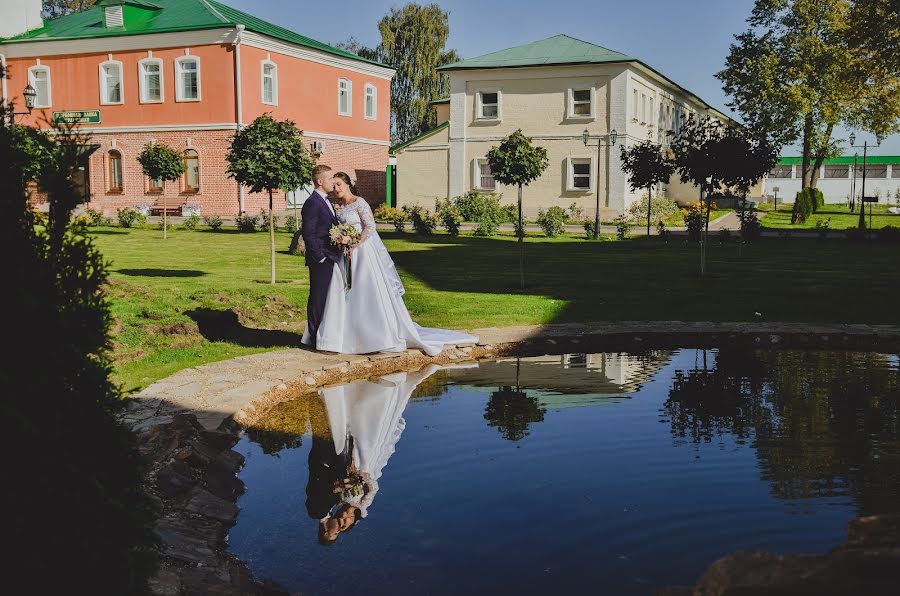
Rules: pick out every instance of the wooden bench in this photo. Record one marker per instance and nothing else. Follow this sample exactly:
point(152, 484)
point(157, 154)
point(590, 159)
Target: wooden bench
point(172, 207)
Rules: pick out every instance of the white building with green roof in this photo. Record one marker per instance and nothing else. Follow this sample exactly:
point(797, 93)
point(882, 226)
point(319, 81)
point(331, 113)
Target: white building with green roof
point(554, 89)
point(837, 179)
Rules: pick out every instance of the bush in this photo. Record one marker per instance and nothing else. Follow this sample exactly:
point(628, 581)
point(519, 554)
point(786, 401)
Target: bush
point(214, 222)
point(39, 218)
point(822, 228)
point(473, 206)
point(247, 223)
point(662, 232)
point(623, 226)
point(96, 218)
point(264, 221)
point(423, 222)
point(818, 199)
point(449, 215)
point(487, 226)
point(589, 230)
point(191, 222)
point(694, 221)
point(661, 209)
point(751, 229)
point(552, 221)
point(509, 214)
point(292, 223)
point(129, 218)
point(803, 206)
point(391, 215)
point(576, 214)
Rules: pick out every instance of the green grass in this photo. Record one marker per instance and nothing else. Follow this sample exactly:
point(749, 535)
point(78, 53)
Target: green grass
point(839, 216)
point(160, 288)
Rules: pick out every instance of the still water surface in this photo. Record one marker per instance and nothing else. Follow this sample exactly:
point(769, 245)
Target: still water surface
point(601, 473)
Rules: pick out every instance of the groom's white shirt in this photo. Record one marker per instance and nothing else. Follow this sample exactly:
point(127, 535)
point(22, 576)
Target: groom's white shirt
point(327, 202)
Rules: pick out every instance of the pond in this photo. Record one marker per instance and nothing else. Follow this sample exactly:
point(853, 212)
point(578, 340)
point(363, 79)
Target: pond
point(607, 473)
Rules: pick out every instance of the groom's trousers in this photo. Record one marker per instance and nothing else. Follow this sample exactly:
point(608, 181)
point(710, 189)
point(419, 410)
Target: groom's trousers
point(319, 280)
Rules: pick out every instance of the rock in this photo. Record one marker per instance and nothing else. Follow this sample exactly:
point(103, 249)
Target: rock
point(217, 439)
point(203, 502)
point(196, 454)
point(310, 381)
point(174, 479)
point(166, 583)
point(186, 547)
point(220, 478)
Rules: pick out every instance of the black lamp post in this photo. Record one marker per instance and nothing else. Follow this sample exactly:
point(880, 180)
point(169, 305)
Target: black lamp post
point(29, 93)
point(586, 136)
point(862, 206)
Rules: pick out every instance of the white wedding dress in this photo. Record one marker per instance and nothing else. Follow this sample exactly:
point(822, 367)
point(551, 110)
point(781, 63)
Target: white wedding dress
point(371, 316)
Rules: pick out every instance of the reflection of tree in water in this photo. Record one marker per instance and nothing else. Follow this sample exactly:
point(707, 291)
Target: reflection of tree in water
point(284, 425)
point(512, 410)
point(822, 423)
point(432, 387)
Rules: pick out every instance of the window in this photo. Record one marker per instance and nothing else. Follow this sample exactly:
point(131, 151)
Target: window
point(111, 83)
point(115, 171)
point(837, 171)
point(782, 172)
point(488, 105)
point(371, 102)
point(482, 178)
point(579, 178)
point(634, 105)
point(643, 108)
point(879, 171)
point(345, 97)
point(39, 78)
point(154, 185)
point(269, 83)
point(581, 103)
point(150, 73)
point(187, 79)
point(191, 171)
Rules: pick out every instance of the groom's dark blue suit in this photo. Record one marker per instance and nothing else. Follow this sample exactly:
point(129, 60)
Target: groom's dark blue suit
point(321, 255)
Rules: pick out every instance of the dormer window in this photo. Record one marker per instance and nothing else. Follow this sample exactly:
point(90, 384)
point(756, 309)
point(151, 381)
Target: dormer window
point(113, 17)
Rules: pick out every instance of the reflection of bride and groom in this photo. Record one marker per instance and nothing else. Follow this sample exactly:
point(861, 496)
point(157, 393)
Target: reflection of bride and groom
point(351, 446)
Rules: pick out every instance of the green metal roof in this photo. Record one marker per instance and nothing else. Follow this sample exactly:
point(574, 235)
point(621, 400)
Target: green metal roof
point(143, 17)
point(559, 49)
point(846, 160)
point(418, 138)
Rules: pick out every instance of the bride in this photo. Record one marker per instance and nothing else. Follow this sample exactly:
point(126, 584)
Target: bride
point(370, 315)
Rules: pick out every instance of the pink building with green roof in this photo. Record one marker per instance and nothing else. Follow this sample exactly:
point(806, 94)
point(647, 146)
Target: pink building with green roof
point(189, 73)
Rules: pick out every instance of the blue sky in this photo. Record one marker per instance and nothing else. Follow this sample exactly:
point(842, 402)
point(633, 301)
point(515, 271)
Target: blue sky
point(686, 41)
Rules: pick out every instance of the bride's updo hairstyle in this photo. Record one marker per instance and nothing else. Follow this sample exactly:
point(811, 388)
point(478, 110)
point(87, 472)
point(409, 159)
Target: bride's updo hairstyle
point(346, 178)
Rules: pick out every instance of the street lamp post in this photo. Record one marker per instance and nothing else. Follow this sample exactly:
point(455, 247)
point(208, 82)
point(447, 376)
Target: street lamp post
point(586, 136)
point(775, 189)
point(853, 185)
point(862, 206)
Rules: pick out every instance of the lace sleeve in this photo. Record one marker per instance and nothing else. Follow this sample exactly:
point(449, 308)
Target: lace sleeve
point(367, 219)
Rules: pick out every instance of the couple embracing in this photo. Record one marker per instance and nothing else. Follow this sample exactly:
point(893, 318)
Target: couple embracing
point(368, 314)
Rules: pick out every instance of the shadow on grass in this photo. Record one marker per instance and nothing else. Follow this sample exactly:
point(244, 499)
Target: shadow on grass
point(224, 325)
point(161, 272)
point(95, 232)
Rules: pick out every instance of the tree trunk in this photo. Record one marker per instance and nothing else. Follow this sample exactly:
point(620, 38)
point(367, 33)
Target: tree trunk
point(703, 234)
point(820, 155)
point(272, 236)
point(741, 227)
point(165, 222)
point(807, 140)
point(649, 190)
point(521, 244)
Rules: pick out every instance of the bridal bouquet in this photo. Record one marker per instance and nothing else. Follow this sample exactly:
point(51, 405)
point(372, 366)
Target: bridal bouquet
point(349, 487)
point(345, 237)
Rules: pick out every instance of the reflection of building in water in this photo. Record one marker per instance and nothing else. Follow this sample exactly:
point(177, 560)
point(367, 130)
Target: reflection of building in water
point(567, 380)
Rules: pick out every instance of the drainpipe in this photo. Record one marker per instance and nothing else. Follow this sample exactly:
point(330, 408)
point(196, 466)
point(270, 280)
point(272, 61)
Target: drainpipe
point(239, 107)
point(3, 80)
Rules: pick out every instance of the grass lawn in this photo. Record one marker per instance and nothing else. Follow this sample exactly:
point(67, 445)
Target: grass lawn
point(840, 216)
point(203, 296)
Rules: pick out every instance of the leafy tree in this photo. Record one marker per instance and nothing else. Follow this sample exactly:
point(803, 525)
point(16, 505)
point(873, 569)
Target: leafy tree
point(58, 8)
point(646, 166)
point(798, 73)
point(161, 162)
point(696, 159)
point(413, 40)
point(517, 162)
point(512, 411)
point(268, 155)
point(78, 498)
point(744, 160)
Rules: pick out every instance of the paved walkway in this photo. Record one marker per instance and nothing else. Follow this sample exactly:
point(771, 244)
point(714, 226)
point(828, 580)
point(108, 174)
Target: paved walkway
point(243, 388)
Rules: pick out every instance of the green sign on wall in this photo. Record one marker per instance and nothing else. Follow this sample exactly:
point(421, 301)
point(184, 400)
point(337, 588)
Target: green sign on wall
point(77, 117)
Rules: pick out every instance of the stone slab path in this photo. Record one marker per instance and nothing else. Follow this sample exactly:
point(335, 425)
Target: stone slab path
point(242, 388)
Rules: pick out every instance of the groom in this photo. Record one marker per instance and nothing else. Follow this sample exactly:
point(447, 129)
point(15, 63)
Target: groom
point(318, 216)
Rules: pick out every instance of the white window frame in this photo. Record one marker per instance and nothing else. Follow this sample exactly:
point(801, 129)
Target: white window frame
point(570, 174)
point(262, 83)
point(348, 88)
point(371, 91)
point(103, 87)
point(179, 90)
point(570, 111)
point(476, 176)
point(479, 105)
point(31, 71)
point(634, 105)
point(142, 91)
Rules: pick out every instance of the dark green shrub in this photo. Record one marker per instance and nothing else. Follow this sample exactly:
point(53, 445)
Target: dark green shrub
point(79, 515)
point(694, 221)
point(487, 226)
point(129, 218)
point(191, 222)
point(423, 222)
point(552, 221)
point(247, 223)
point(96, 218)
point(214, 222)
point(803, 206)
point(264, 221)
point(751, 229)
point(449, 215)
point(509, 214)
point(292, 223)
point(818, 199)
point(822, 228)
point(473, 206)
point(623, 226)
point(589, 230)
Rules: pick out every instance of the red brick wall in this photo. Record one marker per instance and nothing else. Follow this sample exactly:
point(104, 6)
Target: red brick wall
point(218, 194)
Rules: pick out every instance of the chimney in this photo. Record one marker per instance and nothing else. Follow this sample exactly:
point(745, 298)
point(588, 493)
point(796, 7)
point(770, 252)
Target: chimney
point(19, 16)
